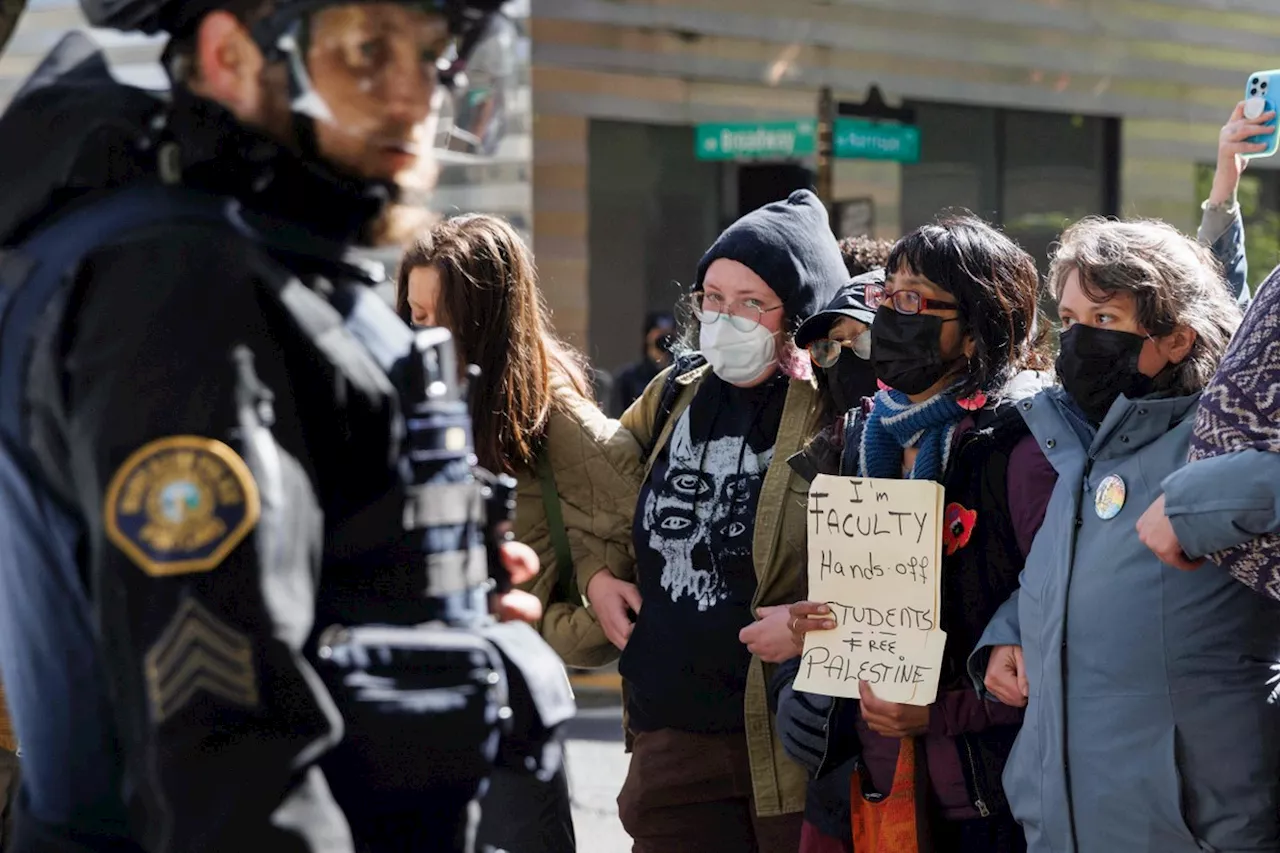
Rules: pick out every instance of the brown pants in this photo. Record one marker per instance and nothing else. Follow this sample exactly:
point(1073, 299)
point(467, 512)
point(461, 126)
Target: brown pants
point(9, 775)
point(691, 793)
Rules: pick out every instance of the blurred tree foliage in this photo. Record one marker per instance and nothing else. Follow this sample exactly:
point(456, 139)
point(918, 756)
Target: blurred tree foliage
point(1259, 196)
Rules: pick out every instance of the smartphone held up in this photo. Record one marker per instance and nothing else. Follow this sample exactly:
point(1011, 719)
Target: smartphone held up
point(1259, 99)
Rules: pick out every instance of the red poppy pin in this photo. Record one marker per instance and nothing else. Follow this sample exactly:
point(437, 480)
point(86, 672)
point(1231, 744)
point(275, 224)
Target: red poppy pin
point(957, 527)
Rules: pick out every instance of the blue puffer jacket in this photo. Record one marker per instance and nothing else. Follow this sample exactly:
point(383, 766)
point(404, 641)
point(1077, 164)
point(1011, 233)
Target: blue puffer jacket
point(1148, 728)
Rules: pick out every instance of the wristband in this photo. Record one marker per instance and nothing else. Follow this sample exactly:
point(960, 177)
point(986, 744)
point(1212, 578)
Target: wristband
point(1230, 208)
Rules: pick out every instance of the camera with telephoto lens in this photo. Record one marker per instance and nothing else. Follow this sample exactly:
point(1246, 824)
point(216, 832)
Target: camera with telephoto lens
point(500, 510)
point(442, 485)
point(431, 707)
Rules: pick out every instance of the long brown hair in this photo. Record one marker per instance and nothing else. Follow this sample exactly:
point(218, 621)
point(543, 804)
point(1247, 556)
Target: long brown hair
point(490, 301)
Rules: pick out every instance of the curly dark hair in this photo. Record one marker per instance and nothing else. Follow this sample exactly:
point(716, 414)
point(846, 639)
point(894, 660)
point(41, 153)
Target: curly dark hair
point(994, 283)
point(864, 254)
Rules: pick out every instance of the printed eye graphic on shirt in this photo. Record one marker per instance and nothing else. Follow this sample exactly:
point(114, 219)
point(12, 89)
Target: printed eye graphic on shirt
point(689, 483)
point(701, 514)
point(737, 488)
point(677, 523)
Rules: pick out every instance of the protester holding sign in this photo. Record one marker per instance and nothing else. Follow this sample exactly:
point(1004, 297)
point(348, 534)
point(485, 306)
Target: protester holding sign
point(954, 328)
point(839, 344)
point(1147, 727)
point(720, 538)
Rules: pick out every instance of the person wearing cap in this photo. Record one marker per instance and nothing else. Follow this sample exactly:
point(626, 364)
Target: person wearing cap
point(629, 384)
point(719, 537)
point(205, 495)
point(953, 337)
point(838, 340)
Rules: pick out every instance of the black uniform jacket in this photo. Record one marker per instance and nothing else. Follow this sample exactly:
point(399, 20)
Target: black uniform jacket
point(200, 404)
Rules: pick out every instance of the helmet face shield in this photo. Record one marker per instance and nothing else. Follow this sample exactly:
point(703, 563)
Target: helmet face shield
point(476, 119)
point(368, 76)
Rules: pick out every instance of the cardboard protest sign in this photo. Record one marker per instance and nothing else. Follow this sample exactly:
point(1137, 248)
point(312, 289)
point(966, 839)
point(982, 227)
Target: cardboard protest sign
point(875, 557)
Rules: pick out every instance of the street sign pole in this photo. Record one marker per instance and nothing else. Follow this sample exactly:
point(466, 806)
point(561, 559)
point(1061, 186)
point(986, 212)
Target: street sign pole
point(874, 107)
point(826, 147)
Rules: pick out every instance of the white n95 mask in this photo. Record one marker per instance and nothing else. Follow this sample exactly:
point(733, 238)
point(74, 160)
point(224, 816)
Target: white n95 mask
point(738, 357)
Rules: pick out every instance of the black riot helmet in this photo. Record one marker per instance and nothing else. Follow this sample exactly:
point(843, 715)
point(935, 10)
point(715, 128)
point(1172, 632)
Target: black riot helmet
point(176, 16)
point(368, 76)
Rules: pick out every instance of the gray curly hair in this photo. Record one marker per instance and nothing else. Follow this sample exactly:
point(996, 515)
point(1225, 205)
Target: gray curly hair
point(1175, 282)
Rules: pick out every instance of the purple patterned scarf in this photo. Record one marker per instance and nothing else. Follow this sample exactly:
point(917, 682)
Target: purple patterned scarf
point(1239, 411)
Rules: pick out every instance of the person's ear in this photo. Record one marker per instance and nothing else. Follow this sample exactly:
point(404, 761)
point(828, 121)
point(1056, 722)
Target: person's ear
point(229, 69)
point(970, 346)
point(1176, 345)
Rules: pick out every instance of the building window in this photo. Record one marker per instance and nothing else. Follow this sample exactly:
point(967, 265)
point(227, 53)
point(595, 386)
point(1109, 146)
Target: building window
point(1033, 173)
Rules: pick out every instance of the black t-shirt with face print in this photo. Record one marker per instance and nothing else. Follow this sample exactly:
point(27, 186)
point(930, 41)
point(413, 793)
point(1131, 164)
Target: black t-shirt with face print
point(695, 519)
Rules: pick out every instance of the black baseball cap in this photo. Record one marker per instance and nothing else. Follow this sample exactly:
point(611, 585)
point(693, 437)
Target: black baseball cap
point(849, 302)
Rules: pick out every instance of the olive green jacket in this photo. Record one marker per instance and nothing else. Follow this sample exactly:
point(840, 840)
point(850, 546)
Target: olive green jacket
point(780, 554)
point(596, 465)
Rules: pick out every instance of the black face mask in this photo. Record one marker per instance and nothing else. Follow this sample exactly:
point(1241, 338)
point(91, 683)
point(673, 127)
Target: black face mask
point(850, 380)
point(906, 350)
point(1096, 366)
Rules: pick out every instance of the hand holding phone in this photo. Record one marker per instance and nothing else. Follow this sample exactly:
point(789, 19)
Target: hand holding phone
point(1258, 101)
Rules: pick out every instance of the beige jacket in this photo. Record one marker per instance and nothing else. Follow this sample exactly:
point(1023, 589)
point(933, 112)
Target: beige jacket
point(780, 555)
point(597, 470)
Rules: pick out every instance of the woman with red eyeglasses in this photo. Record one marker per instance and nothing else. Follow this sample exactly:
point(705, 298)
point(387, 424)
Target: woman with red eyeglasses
point(954, 331)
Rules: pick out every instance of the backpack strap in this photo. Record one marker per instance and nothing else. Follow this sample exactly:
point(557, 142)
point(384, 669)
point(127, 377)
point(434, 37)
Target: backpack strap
point(671, 388)
point(566, 582)
point(32, 274)
point(855, 421)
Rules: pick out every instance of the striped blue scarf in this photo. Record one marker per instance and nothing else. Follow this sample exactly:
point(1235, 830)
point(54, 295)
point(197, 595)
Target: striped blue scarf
point(896, 423)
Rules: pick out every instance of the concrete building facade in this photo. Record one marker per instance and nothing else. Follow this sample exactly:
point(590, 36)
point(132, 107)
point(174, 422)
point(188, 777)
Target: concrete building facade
point(1032, 113)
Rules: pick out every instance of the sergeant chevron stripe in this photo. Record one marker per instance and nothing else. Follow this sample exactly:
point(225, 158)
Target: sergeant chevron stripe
point(197, 651)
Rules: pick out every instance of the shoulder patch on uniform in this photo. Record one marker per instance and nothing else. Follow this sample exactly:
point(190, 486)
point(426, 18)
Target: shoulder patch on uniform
point(180, 505)
point(199, 652)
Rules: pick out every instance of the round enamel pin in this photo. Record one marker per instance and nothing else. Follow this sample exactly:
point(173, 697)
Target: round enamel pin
point(1108, 500)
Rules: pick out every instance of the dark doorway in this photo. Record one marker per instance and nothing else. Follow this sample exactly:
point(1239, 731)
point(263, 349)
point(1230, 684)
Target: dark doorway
point(760, 184)
point(654, 209)
point(1032, 173)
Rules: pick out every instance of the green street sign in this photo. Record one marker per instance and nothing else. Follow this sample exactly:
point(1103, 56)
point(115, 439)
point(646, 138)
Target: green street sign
point(856, 139)
point(764, 140)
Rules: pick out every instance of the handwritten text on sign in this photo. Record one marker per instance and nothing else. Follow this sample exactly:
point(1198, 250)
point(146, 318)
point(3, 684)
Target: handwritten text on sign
point(875, 553)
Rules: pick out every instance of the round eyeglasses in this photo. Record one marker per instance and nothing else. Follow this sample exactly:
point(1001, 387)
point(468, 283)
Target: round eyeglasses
point(825, 352)
point(902, 301)
point(743, 316)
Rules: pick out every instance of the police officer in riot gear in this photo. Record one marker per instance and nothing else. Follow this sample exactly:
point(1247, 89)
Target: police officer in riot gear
point(233, 485)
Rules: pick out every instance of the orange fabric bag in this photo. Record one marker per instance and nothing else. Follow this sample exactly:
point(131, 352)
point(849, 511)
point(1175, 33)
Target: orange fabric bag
point(891, 825)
